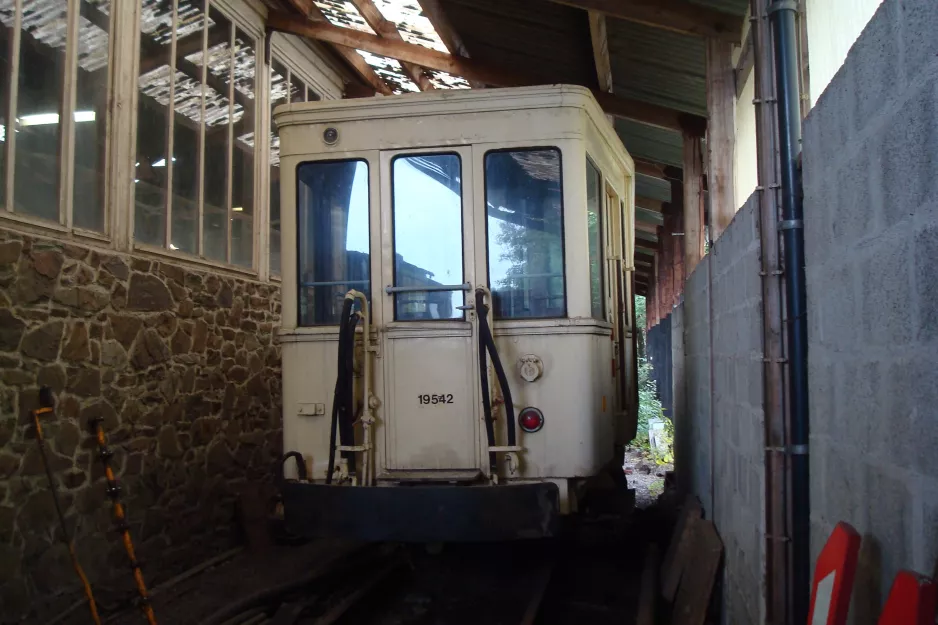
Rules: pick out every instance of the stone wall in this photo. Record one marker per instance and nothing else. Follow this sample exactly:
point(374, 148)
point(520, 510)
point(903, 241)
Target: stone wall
point(871, 243)
point(184, 368)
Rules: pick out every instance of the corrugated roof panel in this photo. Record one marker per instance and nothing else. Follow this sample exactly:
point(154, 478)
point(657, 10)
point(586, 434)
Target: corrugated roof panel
point(658, 66)
point(411, 23)
point(653, 188)
point(343, 13)
point(541, 39)
point(735, 7)
point(650, 142)
point(391, 72)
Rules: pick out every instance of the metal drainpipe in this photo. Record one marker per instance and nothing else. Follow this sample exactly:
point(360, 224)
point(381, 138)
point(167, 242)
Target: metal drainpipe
point(782, 14)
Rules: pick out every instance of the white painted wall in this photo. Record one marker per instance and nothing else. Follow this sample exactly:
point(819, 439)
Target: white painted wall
point(745, 170)
point(833, 27)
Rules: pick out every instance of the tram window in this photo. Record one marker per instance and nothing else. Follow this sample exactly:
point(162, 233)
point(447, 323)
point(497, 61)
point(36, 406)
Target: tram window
point(594, 227)
point(333, 237)
point(524, 223)
point(428, 239)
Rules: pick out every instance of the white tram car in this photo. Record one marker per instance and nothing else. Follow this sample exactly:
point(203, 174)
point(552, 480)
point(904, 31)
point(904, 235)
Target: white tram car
point(415, 230)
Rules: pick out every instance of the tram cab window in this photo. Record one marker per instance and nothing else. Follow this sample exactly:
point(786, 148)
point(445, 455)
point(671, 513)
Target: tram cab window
point(594, 229)
point(524, 219)
point(333, 237)
point(428, 238)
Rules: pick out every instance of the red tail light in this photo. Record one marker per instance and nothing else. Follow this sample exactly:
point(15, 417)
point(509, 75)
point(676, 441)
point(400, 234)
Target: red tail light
point(531, 420)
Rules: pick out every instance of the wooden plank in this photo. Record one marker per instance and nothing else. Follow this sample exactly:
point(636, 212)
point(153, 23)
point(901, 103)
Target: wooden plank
point(721, 136)
point(647, 168)
point(306, 8)
point(693, 203)
point(353, 58)
point(448, 34)
point(648, 595)
point(540, 588)
point(473, 70)
point(675, 15)
point(676, 557)
point(649, 204)
point(385, 28)
point(693, 597)
point(601, 50)
point(641, 226)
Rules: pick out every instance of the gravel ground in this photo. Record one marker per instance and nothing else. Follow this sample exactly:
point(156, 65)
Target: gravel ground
point(646, 477)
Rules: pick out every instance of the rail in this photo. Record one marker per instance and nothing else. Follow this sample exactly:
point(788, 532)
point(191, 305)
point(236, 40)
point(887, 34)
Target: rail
point(391, 290)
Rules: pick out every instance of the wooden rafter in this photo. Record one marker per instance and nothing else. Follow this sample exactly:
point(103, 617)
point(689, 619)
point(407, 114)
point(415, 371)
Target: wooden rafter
point(641, 226)
point(313, 14)
point(655, 206)
point(386, 29)
point(306, 8)
point(471, 69)
point(648, 245)
point(675, 15)
point(601, 51)
point(448, 34)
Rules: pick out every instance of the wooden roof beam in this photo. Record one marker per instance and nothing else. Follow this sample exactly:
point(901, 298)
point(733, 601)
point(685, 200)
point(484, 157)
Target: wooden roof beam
point(385, 28)
point(601, 51)
point(655, 206)
point(313, 14)
point(675, 15)
point(471, 69)
point(448, 35)
point(648, 228)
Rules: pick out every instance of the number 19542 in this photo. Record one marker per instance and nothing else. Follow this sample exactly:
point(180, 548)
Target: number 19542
point(435, 399)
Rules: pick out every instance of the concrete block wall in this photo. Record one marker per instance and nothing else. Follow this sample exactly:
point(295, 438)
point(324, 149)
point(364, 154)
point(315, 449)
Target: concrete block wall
point(871, 235)
point(693, 425)
point(722, 416)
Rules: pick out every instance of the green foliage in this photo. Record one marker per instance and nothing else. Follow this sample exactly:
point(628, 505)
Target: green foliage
point(649, 406)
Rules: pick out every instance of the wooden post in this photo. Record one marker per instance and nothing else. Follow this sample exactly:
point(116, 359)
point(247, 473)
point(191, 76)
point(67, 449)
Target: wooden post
point(721, 135)
point(693, 199)
point(677, 242)
point(667, 267)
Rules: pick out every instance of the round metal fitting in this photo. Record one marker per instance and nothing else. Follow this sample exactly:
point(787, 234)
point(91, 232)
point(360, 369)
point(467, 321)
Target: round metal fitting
point(530, 367)
point(330, 136)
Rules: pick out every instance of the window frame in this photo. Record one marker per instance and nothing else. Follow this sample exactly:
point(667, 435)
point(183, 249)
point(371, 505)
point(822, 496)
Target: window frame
point(601, 204)
point(244, 19)
point(369, 294)
point(64, 223)
point(462, 232)
point(563, 226)
point(286, 61)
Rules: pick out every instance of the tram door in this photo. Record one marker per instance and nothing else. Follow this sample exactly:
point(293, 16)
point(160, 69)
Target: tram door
point(428, 273)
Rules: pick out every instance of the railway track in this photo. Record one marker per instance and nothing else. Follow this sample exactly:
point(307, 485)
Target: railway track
point(382, 585)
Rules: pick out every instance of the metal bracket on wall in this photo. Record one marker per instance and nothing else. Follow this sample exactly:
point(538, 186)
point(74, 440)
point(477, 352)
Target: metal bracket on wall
point(791, 224)
point(782, 5)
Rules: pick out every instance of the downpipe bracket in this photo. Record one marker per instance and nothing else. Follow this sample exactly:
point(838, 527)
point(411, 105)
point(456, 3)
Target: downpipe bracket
point(783, 5)
point(791, 224)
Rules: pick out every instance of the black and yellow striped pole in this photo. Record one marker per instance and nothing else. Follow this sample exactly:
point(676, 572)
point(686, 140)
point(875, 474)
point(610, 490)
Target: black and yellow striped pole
point(46, 405)
point(120, 519)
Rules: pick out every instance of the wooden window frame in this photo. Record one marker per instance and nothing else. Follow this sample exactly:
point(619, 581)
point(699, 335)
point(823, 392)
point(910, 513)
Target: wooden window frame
point(64, 225)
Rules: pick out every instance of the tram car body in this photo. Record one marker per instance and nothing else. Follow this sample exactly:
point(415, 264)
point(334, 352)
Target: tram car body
point(454, 214)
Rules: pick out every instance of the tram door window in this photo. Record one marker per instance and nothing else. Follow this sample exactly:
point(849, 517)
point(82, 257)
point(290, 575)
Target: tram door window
point(524, 223)
point(333, 237)
point(594, 226)
point(428, 236)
